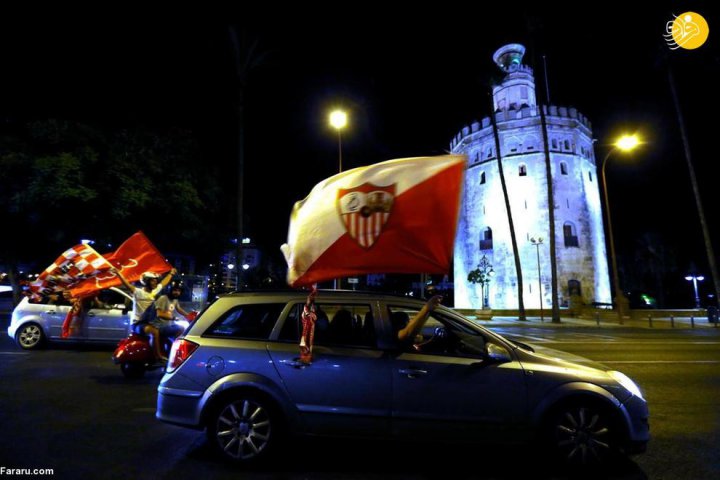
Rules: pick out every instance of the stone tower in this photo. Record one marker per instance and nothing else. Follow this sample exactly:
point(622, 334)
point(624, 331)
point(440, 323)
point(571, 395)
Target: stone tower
point(483, 230)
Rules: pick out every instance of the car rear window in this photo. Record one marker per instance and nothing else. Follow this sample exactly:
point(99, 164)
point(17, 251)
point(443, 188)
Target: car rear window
point(253, 321)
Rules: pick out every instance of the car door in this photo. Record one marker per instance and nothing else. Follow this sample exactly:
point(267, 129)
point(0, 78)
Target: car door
point(108, 319)
point(53, 317)
point(448, 390)
point(346, 389)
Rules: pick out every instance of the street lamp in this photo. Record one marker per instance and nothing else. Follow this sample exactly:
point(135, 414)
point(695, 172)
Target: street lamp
point(537, 242)
point(625, 143)
point(338, 120)
point(695, 279)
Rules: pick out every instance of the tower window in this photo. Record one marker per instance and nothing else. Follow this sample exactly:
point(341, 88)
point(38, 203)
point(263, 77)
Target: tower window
point(567, 144)
point(554, 143)
point(489, 153)
point(590, 176)
point(522, 170)
point(486, 242)
point(563, 168)
point(574, 288)
point(523, 93)
point(477, 157)
point(482, 178)
point(570, 234)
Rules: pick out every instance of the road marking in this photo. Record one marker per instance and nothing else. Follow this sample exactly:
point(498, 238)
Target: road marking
point(659, 361)
point(635, 342)
point(14, 353)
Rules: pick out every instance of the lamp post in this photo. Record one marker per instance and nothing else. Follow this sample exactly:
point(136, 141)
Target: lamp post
point(695, 279)
point(537, 242)
point(338, 120)
point(626, 143)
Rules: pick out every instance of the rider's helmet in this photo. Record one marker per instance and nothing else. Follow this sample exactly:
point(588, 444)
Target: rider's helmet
point(147, 276)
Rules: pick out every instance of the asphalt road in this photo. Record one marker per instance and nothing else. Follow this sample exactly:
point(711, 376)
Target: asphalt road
point(70, 409)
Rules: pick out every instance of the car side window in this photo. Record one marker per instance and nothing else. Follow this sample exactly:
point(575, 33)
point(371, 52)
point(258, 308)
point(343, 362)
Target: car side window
point(441, 334)
point(252, 321)
point(337, 324)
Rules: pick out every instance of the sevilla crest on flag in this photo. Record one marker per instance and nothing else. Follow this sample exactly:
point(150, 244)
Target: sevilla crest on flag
point(364, 211)
point(397, 216)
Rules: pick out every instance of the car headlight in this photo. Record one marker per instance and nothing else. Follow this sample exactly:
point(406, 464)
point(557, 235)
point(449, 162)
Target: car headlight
point(627, 383)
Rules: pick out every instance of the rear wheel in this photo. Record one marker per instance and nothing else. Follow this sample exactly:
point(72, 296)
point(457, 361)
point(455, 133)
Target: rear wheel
point(30, 336)
point(583, 434)
point(244, 428)
point(132, 370)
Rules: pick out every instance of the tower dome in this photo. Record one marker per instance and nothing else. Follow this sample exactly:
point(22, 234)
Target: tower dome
point(517, 89)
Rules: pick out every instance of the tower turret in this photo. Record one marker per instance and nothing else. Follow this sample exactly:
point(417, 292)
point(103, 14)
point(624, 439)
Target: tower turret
point(517, 89)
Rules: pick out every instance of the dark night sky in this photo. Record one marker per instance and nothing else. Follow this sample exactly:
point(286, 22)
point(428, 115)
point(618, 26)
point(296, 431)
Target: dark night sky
point(410, 81)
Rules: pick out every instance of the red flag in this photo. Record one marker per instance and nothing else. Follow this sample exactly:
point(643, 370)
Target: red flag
point(134, 257)
point(398, 216)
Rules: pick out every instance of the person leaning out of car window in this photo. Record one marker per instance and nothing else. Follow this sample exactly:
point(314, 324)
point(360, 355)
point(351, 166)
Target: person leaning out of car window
point(409, 330)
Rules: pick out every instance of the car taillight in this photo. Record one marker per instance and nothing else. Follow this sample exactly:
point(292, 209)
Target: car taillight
point(181, 351)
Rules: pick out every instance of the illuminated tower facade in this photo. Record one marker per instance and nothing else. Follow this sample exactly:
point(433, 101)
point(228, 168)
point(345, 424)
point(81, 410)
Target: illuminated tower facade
point(483, 230)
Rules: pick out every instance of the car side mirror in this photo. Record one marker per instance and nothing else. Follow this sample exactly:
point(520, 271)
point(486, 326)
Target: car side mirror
point(497, 354)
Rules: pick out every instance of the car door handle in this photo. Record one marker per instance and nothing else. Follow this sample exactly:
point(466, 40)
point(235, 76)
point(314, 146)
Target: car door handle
point(50, 312)
point(90, 314)
point(413, 372)
point(295, 363)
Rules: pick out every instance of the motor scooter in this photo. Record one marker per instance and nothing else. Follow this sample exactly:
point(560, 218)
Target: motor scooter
point(136, 355)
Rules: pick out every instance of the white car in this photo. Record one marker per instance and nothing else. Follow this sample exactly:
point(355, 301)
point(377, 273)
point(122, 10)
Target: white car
point(33, 324)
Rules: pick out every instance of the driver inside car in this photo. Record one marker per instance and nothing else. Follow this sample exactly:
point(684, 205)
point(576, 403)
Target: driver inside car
point(408, 331)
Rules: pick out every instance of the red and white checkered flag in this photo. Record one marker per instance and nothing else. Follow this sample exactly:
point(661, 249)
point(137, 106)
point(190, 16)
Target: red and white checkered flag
point(75, 264)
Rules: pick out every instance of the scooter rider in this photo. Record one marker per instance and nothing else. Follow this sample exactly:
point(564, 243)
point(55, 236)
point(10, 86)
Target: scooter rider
point(143, 298)
point(164, 322)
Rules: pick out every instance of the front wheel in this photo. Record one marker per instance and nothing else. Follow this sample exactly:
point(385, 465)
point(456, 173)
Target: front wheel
point(30, 336)
point(243, 428)
point(583, 435)
point(132, 370)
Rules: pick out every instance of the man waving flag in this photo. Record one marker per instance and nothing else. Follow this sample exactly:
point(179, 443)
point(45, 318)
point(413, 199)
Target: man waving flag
point(397, 216)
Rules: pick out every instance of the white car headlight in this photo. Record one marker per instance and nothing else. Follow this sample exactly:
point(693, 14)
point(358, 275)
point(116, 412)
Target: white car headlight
point(627, 383)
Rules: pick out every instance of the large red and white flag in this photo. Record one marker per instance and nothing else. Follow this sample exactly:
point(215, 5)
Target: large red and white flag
point(75, 264)
point(134, 257)
point(397, 216)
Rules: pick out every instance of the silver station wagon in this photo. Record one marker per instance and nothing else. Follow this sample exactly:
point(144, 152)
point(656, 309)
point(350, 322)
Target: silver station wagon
point(236, 373)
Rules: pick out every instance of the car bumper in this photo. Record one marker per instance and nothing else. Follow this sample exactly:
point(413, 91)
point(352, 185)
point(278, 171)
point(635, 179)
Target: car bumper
point(179, 406)
point(638, 425)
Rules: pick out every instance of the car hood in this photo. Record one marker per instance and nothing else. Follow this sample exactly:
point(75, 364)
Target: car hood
point(563, 363)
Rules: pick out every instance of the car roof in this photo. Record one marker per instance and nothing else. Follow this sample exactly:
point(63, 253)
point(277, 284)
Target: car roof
point(324, 295)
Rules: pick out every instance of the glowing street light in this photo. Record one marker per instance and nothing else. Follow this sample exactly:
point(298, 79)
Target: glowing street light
point(625, 143)
point(338, 120)
point(695, 279)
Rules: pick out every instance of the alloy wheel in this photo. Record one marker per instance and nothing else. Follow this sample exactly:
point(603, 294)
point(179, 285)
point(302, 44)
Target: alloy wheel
point(243, 429)
point(582, 436)
point(30, 336)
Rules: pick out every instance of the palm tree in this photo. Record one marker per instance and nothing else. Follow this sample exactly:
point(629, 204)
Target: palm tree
point(551, 217)
point(247, 57)
point(513, 239)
